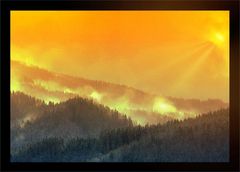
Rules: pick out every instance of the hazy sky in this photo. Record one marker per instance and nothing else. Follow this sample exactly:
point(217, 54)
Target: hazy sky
point(173, 53)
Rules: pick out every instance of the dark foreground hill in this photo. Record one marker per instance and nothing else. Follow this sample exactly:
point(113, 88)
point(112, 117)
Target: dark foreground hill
point(203, 139)
point(32, 120)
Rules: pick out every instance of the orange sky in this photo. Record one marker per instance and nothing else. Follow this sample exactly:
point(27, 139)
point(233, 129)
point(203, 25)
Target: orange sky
point(173, 53)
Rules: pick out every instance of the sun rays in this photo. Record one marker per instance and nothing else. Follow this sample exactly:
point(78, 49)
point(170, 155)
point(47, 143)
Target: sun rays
point(192, 69)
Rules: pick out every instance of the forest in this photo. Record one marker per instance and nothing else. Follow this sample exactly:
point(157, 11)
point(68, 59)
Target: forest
point(81, 130)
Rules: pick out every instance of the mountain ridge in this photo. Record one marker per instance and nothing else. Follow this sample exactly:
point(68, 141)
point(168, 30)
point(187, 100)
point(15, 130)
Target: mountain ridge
point(55, 87)
point(32, 119)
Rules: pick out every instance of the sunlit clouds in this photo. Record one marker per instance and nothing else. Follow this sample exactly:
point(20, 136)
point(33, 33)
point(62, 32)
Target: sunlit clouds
point(96, 96)
point(141, 107)
point(162, 106)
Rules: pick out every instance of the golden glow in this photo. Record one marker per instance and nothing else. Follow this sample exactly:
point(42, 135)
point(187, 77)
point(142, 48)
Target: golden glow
point(67, 90)
point(163, 107)
point(51, 99)
point(120, 105)
point(218, 38)
point(49, 85)
point(96, 96)
point(15, 85)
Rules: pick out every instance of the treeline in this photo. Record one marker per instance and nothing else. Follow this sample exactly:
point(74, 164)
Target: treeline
point(32, 120)
point(78, 149)
point(204, 139)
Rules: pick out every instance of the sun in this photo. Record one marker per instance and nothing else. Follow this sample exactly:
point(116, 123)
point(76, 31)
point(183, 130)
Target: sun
point(218, 38)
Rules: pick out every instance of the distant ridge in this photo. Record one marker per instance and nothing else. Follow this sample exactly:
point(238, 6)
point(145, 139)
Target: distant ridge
point(56, 87)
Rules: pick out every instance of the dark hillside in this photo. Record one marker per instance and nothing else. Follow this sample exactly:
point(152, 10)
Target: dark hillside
point(203, 139)
point(78, 117)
